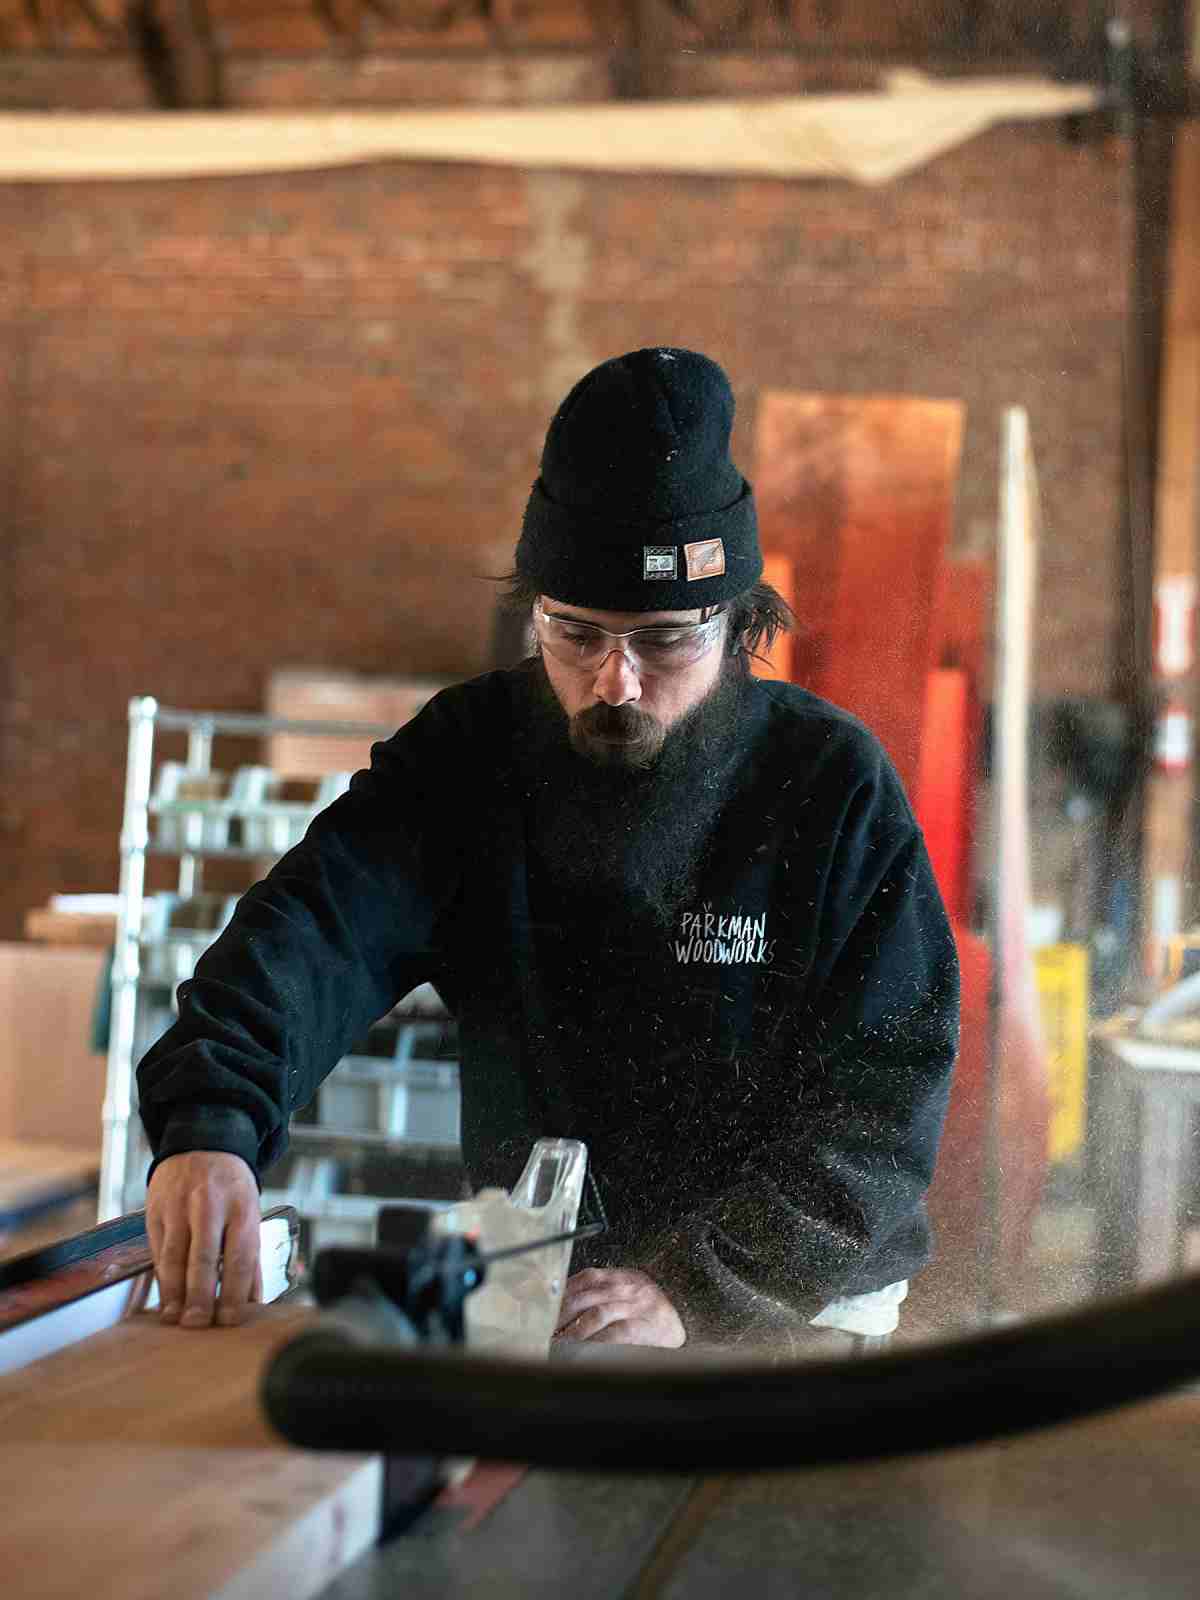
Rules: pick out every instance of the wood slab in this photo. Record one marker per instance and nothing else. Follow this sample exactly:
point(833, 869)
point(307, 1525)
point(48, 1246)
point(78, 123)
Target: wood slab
point(138, 1464)
point(46, 926)
point(302, 695)
point(33, 1174)
point(51, 1080)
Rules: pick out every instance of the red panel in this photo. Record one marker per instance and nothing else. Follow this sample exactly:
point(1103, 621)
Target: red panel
point(942, 797)
point(859, 489)
point(965, 619)
point(964, 622)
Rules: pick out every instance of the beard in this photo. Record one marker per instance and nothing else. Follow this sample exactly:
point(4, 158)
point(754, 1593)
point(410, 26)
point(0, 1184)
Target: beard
point(623, 807)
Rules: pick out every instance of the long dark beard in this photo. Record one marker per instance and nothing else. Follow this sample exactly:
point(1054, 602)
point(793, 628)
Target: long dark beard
point(613, 830)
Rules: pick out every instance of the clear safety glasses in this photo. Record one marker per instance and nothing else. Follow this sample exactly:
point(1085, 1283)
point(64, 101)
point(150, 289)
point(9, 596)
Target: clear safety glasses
point(659, 647)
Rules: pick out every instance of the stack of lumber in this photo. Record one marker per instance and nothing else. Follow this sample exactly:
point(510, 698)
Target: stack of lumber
point(136, 1463)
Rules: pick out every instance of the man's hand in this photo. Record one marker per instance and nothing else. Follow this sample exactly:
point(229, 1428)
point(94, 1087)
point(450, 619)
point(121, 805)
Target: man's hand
point(606, 1305)
point(203, 1208)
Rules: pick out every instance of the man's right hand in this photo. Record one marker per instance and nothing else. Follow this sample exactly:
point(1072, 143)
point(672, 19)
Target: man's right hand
point(202, 1209)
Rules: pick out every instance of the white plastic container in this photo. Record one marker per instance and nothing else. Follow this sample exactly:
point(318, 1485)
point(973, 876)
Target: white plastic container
point(190, 808)
point(279, 817)
point(516, 1311)
point(176, 931)
point(414, 1100)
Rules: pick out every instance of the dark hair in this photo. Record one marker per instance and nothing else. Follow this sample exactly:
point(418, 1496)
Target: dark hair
point(757, 616)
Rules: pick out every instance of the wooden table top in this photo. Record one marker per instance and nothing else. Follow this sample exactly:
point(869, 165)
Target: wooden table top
point(137, 1463)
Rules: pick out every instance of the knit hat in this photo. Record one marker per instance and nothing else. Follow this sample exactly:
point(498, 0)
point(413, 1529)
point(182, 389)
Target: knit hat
point(639, 506)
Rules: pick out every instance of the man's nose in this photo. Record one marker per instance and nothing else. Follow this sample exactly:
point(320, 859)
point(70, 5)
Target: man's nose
point(616, 682)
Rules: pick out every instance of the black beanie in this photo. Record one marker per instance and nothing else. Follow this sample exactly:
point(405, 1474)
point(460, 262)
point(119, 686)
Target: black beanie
point(639, 506)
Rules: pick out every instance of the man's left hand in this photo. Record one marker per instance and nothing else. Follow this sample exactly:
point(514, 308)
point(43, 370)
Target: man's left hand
point(611, 1305)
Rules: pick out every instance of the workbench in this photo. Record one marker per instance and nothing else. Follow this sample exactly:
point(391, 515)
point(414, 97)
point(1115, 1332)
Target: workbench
point(136, 1463)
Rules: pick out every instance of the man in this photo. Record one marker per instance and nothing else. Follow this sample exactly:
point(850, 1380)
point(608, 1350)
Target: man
point(680, 913)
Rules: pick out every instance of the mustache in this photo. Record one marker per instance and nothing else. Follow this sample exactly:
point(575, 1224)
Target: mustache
point(616, 722)
point(624, 734)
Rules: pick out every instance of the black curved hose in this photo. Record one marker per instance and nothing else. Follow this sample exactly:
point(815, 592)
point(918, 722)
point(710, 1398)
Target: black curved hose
point(331, 1393)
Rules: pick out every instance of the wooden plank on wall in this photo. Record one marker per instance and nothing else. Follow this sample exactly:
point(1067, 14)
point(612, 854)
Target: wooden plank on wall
point(1019, 1106)
point(1169, 898)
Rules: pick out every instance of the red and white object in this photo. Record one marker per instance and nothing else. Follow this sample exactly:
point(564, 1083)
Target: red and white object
point(1174, 625)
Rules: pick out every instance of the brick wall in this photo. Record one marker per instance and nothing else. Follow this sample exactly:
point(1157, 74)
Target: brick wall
point(291, 421)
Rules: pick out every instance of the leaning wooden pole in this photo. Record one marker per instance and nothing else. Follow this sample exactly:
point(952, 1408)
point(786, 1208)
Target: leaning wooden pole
point(1016, 1055)
point(1168, 893)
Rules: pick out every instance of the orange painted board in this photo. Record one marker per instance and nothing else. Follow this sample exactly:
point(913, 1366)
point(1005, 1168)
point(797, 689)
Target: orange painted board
point(965, 620)
point(859, 490)
point(942, 799)
point(965, 626)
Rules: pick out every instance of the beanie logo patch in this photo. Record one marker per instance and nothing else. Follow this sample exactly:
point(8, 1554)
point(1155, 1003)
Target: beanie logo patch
point(659, 561)
point(705, 559)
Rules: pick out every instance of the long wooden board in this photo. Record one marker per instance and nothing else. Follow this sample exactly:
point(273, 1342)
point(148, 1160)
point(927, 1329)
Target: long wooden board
point(870, 137)
point(34, 1174)
point(137, 1464)
point(1168, 851)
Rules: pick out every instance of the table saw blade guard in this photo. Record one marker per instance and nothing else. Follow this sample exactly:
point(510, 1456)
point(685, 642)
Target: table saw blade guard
point(516, 1311)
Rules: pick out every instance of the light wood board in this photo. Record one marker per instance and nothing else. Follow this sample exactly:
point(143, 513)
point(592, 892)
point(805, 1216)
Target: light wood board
point(137, 1464)
point(51, 1080)
point(871, 137)
point(31, 1174)
point(46, 926)
point(1168, 893)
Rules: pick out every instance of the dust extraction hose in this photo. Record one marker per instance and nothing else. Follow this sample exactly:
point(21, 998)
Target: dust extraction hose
point(324, 1390)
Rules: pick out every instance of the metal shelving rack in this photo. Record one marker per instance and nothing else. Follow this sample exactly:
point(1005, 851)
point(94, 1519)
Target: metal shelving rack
point(125, 1155)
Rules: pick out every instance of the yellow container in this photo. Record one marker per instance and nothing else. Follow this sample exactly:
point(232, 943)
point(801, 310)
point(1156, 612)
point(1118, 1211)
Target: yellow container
point(1181, 958)
point(1062, 980)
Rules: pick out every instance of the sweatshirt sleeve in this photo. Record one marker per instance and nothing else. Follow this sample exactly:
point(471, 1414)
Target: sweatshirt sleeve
point(343, 926)
point(858, 1111)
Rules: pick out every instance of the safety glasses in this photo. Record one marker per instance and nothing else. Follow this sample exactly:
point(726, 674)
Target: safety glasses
point(660, 647)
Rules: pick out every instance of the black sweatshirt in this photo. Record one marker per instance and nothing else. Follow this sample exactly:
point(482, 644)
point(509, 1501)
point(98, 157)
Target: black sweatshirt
point(761, 1086)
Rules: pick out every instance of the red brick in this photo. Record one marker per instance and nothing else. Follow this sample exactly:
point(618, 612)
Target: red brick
point(291, 420)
